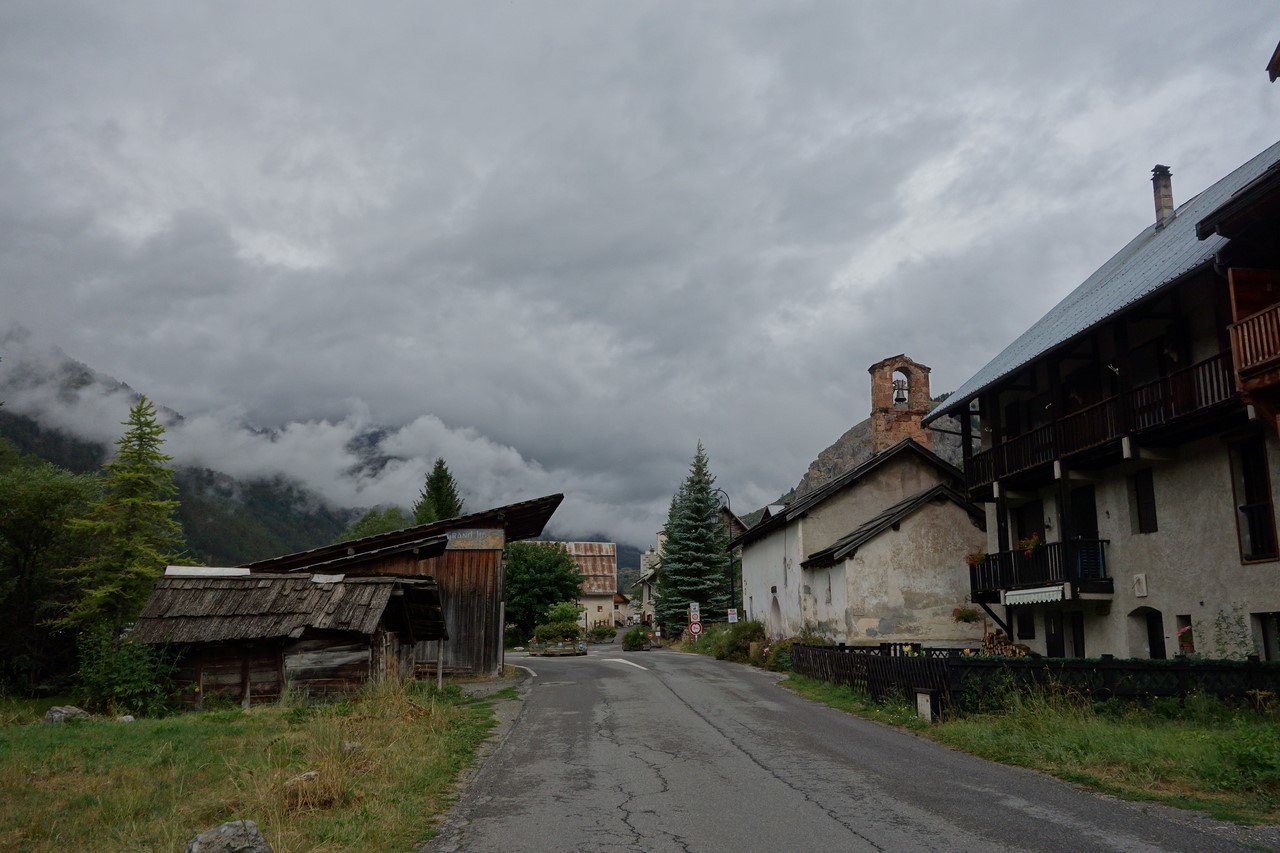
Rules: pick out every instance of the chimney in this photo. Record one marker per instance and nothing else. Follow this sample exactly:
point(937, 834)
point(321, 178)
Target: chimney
point(1162, 187)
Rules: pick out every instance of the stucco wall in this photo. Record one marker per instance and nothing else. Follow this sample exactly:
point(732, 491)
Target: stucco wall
point(903, 585)
point(774, 561)
point(1191, 565)
point(838, 516)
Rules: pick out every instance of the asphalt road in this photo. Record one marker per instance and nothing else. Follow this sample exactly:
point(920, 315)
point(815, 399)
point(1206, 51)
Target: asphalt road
point(663, 751)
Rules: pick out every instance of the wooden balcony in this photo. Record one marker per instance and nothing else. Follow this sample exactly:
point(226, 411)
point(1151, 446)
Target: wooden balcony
point(1080, 562)
point(1255, 345)
point(1145, 407)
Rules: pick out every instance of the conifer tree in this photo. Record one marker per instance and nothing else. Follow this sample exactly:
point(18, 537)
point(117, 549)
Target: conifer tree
point(132, 526)
point(439, 497)
point(379, 519)
point(695, 560)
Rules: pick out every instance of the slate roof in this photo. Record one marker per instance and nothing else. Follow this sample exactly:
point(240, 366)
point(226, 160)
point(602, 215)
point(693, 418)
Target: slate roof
point(260, 607)
point(1154, 259)
point(800, 506)
point(847, 546)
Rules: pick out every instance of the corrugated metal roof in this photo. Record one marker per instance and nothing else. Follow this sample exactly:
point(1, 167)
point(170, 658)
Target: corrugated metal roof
point(598, 563)
point(1153, 259)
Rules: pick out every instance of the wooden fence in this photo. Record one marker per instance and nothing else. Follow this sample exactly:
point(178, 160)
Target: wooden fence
point(963, 682)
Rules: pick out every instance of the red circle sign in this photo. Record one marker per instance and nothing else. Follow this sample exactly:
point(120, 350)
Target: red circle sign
point(695, 628)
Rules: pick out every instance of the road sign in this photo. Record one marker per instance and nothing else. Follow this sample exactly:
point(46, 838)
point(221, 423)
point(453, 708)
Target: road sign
point(694, 615)
point(733, 614)
point(695, 628)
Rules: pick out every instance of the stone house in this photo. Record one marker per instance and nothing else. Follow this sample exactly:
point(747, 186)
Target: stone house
point(877, 553)
point(1125, 445)
point(598, 564)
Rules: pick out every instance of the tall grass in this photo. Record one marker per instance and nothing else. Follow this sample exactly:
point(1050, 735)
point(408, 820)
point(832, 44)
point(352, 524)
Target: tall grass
point(1200, 753)
point(366, 774)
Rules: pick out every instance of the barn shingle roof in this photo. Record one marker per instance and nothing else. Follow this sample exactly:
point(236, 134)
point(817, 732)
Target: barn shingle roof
point(262, 606)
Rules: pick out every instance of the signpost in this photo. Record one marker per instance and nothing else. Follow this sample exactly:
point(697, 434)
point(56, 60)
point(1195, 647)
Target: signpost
point(733, 614)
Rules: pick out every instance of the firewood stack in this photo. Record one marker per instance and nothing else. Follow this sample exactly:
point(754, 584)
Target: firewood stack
point(997, 644)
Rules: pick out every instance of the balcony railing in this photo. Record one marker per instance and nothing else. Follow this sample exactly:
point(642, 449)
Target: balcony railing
point(1147, 406)
point(1256, 339)
point(1077, 561)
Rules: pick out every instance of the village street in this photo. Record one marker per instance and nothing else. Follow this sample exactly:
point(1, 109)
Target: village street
point(664, 751)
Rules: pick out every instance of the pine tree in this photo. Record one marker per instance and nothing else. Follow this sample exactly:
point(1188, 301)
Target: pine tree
point(379, 519)
point(132, 526)
point(695, 560)
point(439, 497)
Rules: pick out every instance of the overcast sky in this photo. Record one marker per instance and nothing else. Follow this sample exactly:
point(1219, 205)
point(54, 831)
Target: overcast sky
point(559, 243)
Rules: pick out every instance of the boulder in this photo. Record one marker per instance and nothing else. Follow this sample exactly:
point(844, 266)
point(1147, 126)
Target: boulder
point(237, 836)
point(58, 713)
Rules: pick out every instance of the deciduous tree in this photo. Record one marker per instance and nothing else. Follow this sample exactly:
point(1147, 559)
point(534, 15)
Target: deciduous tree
point(380, 519)
point(539, 575)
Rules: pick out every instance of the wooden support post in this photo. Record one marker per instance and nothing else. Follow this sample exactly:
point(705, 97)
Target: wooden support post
point(439, 664)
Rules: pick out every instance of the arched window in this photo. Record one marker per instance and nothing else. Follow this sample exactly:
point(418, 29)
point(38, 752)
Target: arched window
point(901, 388)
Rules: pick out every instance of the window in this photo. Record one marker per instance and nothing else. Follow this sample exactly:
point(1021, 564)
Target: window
point(1142, 502)
point(1186, 635)
point(1026, 622)
point(1255, 515)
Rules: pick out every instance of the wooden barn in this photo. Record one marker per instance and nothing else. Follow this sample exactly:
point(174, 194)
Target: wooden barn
point(246, 636)
point(469, 570)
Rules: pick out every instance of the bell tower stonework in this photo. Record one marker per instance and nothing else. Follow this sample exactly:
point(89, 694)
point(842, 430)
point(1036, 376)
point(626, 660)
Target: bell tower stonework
point(899, 399)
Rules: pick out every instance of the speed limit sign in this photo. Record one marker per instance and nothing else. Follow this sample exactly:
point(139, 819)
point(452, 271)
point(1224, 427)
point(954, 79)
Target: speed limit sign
point(695, 628)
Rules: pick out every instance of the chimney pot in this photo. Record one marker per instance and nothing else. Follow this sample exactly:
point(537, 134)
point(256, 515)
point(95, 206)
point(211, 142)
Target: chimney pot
point(1162, 188)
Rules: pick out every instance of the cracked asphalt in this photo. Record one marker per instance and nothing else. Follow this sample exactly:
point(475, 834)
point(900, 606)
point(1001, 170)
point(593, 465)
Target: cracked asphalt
point(663, 751)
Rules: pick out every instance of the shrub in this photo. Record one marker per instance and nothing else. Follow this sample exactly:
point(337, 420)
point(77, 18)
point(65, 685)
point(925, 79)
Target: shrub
point(513, 636)
point(777, 655)
point(636, 639)
point(733, 641)
point(123, 676)
point(602, 633)
point(552, 632)
point(565, 611)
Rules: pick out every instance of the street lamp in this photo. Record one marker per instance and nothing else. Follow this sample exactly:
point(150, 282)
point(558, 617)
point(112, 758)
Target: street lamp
point(733, 598)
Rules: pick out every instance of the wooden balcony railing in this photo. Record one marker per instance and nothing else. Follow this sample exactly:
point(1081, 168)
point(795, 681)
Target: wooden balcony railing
point(1147, 406)
point(1076, 561)
point(1255, 340)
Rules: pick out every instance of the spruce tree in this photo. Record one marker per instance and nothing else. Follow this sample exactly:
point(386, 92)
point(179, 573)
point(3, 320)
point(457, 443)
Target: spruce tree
point(439, 497)
point(695, 561)
point(132, 526)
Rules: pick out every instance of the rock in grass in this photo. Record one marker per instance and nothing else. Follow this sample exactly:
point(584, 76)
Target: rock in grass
point(58, 713)
point(237, 836)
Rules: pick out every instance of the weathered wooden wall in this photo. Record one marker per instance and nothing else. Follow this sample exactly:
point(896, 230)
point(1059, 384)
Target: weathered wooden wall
point(470, 580)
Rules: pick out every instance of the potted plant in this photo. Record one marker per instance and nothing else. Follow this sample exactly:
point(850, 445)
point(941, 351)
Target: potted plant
point(1029, 545)
point(966, 614)
point(975, 558)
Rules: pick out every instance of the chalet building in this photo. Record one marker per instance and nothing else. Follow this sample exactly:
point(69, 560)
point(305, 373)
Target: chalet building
point(644, 591)
point(245, 637)
point(463, 555)
point(877, 553)
point(598, 564)
point(1125, 445)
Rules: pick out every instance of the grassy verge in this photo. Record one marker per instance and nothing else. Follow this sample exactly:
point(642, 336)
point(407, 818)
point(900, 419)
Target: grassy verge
point(385, 761)
point(1199, 753)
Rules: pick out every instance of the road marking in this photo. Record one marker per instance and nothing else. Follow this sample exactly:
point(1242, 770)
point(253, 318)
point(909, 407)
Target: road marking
point(627, 662)
point(526, 669)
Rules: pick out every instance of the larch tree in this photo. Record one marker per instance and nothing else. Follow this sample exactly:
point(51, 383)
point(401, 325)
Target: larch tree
point(439, 497)
point(132, 526)
point(695, 561)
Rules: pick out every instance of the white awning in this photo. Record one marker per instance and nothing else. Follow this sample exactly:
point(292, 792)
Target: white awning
point(1037, 595)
